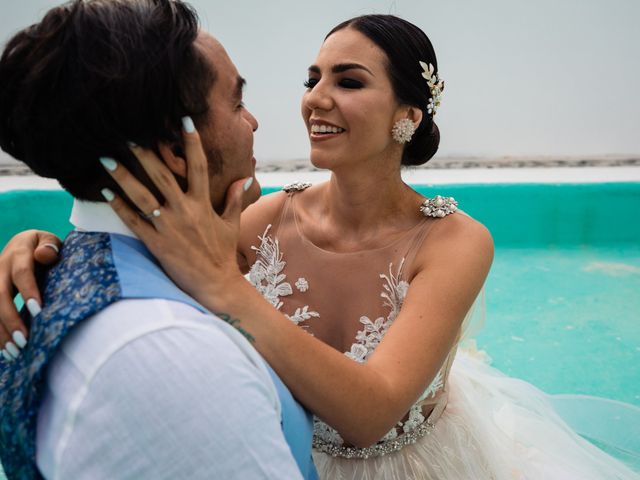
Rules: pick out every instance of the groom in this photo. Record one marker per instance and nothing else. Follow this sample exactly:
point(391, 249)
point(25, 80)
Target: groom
point(124, 375)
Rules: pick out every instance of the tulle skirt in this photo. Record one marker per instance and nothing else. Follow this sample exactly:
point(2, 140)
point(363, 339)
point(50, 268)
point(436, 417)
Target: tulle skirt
point(494, 427)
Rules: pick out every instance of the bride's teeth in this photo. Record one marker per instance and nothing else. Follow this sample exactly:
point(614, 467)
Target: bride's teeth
point(325, 129)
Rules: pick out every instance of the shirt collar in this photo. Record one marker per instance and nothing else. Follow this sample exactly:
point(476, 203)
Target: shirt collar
point(97, 217)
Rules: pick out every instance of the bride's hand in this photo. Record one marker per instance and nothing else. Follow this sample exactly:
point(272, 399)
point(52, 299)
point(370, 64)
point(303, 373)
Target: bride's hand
point(19, 259)
point(196, 246)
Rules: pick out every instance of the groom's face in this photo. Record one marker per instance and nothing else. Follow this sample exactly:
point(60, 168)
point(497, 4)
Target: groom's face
point(227, 135)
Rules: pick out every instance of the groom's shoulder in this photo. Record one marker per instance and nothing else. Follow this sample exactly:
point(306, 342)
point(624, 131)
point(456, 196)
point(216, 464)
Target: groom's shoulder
point(168, 341)
point(184, 378)
point(151, 328)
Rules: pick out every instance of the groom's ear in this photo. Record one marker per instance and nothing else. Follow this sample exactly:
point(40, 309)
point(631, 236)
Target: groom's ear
point(174, 159)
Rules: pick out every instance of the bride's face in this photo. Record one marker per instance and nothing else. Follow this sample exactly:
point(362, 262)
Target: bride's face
point(349, 106)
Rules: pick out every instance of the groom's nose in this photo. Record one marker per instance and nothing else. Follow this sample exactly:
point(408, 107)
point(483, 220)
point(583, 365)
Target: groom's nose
point(251, 119)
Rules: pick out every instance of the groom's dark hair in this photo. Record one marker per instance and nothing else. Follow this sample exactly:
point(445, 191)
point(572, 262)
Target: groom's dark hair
point(94, 75)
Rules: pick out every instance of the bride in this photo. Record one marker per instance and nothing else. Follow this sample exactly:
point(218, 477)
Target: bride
point(369, 287)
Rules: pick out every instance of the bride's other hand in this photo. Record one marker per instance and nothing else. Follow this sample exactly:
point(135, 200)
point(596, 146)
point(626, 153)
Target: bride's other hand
point(18, 261)
point(196, 246)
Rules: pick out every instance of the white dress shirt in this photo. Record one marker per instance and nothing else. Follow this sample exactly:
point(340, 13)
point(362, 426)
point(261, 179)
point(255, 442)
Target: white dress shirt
point(155, 389)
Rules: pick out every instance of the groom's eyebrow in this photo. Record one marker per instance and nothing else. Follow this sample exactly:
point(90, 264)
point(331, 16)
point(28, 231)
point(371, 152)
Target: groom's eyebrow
point(240, 84)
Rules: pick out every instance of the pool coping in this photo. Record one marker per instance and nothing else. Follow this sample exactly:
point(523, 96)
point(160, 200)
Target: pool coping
point(554, 175)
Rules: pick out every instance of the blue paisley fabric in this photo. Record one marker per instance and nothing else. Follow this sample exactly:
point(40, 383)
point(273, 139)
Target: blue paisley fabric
point(84, 282)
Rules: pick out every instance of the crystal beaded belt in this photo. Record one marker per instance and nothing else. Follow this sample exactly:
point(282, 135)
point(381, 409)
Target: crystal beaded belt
point(377, 450)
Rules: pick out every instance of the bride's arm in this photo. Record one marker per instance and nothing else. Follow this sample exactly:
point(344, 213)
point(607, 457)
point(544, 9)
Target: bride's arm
point(18, 261)
point(362, 401)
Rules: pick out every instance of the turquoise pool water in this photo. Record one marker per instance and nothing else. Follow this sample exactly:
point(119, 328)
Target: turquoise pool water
point(563, 296)
point(567, 318)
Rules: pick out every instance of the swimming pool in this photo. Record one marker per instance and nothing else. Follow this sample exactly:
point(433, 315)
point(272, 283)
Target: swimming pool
point(563, 296)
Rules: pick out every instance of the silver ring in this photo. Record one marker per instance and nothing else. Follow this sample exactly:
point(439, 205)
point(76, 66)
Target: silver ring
point(152, 215)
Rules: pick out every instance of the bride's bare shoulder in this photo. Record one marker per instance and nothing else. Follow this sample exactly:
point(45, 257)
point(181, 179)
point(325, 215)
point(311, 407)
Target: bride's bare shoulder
point(265, 208)
point(458, 237)
point(261, 213)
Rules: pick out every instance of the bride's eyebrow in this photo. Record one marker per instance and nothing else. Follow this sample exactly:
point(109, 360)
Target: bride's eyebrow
point(342, 67)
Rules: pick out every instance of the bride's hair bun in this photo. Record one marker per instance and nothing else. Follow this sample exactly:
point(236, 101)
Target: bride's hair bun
point(424, 143)
point(405, 46)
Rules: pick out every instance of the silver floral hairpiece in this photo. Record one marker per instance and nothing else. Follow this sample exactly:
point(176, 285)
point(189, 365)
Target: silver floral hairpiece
point(436, 87)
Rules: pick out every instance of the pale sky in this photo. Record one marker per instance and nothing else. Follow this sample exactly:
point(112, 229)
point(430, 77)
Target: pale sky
point(551, 77)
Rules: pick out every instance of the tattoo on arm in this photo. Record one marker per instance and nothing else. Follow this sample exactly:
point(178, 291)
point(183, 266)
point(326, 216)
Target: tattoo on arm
point(234, 322)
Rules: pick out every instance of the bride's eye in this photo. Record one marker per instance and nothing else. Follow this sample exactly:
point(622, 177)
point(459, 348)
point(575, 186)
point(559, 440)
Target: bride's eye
point(350, 83)
point(310, 82)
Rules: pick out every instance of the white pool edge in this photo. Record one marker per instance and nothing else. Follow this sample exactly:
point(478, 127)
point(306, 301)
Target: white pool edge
point(480, 175)
point(417, 177)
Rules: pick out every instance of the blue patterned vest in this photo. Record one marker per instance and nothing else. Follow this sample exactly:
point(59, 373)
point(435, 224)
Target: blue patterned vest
point(96, 270)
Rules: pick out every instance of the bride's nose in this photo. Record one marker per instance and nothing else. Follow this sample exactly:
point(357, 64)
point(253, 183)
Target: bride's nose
point(318, 98)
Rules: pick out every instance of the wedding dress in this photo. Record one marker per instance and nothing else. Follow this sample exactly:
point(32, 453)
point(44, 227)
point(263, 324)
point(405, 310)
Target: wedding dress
point(472, 422)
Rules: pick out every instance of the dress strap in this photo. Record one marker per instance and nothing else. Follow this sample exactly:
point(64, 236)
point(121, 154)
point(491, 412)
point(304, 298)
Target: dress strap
point(291, 189)
point(294, 187)
point(432, 208)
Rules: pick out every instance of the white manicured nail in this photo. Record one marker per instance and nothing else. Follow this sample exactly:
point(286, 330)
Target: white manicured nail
point(12, 350)
point(33, 306)
point(107, 194)
point(19, 338)
point(247, 184)
point(109, 163)
point(6, 356)
point(52, 246)
point(187, 124)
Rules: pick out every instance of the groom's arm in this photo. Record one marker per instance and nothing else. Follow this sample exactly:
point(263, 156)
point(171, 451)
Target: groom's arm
point(182, 402)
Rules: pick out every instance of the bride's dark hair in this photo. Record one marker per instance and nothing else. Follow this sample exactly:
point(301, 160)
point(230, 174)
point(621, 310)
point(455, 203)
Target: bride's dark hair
point(405, 45)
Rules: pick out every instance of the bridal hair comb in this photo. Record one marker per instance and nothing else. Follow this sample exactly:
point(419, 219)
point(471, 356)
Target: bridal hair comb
point(436, 87)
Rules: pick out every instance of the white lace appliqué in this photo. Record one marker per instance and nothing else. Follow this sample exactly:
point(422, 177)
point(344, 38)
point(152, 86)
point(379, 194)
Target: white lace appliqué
point(367, 339)
point(302, 284)
point(267, 277)
point(302, 314)
point(435, 386)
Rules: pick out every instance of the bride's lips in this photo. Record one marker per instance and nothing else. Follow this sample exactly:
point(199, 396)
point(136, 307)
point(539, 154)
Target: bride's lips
point(320, 130)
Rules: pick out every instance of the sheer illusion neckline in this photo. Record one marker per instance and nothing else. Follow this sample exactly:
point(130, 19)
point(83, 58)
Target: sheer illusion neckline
point(307, 241)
